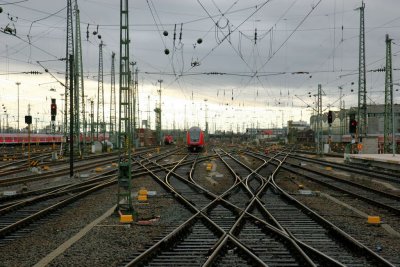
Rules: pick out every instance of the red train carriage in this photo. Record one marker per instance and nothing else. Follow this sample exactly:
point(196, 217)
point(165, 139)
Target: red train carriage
point(195, 139)
point(168, 139)
point(23, 138)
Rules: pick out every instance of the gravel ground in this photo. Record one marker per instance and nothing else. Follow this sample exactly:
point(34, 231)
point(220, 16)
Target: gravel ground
point(111, 243)
point(56, 229)
point(375, 237)
point(107, 244)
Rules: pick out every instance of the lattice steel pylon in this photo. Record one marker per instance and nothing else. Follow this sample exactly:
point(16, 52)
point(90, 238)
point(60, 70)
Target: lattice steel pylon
point(100, 95)
point(319, 120)
point(362, 87)
point(136, 102)
point(133, 85)
point(113, 109)
point(68, 51)
point(91, 120)
point(158, 117)
point(79, 92)
point(388, 120)
point(124, 198)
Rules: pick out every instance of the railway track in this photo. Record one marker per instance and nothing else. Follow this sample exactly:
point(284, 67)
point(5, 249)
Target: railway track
point(238, 225)
point(369, 194)
point(354, 168)
point(246, 220)
point(382, 199)
point(16, 219)
point(16, 215)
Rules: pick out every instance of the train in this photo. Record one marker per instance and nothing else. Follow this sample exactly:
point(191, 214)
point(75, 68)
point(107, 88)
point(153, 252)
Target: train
point(168, 139)
point(23, 138)
point(195, 139)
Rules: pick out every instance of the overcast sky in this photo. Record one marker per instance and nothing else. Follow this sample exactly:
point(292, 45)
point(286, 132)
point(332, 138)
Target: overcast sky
point(246, 80)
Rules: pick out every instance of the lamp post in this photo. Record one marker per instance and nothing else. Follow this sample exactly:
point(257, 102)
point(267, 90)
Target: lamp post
point(18, 83)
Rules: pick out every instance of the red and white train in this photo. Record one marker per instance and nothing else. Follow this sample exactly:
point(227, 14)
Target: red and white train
point(168, 139)
point(23, 138)
point(195, 139)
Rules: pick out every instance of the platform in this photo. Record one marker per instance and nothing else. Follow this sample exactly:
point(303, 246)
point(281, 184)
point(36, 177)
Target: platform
point(387, 161)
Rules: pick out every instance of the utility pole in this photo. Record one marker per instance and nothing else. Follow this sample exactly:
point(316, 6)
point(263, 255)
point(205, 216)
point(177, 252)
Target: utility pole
point(136, 94)
point(69, 50)
point(132, 85)
point(342, 116)
point(124, 197)
point(388, 115)
point(362, 93)
point(79, 110)
point(100, 97)
point(71, 115)
point(18, 84)
point(113, 110)
point(158, 116)
point(148, 126)
point(319, 121)
point(91, 121)
point(206, 118)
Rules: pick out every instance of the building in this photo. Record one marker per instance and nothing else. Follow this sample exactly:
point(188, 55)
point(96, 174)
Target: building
point(338, 131)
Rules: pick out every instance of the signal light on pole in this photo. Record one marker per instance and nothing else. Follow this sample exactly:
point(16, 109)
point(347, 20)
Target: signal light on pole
point(353, 126)
point(53, 109)
point(330, 117)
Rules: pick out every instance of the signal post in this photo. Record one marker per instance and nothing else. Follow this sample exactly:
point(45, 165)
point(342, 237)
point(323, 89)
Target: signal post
point(53, 113)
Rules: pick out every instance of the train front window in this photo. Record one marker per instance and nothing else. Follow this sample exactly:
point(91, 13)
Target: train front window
point(195, 135)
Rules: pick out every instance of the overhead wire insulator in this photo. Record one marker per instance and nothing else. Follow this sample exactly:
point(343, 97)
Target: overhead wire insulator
point(174, 34)
point(180, 34)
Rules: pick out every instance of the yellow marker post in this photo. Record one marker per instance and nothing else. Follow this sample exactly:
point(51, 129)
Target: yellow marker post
point(374, 220)
point(142, 195)
point(125, 218)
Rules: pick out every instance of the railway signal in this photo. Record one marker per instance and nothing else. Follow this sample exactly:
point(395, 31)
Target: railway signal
point(330, 117)
point(28, 119)
point(353, 126)
point(53, 109)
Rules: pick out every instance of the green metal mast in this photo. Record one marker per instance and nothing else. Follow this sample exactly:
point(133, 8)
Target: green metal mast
point(69, 51)
point(342, 115)
point(135, 103)
point(319, 120)
point(124, 201)
point(158, 117)
point(91, 120)
point(388, 125)
point(113, 110)
point(100, 95)
point(79, 85)
point(362, 93)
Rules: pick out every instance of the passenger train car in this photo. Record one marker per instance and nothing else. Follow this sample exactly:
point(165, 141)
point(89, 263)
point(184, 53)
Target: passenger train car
point(195, 139)
point(23, 138)
point(168, 139)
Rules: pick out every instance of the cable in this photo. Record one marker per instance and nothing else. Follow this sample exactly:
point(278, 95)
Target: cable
point(290, 35)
